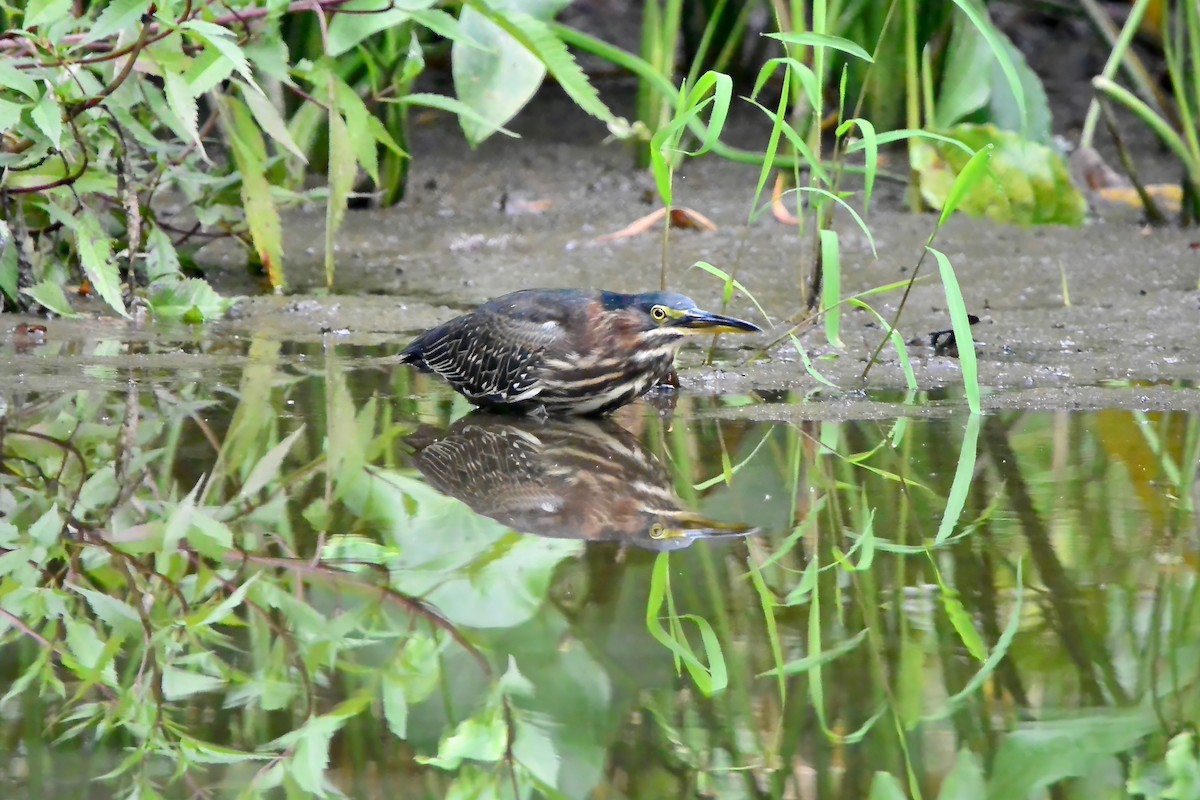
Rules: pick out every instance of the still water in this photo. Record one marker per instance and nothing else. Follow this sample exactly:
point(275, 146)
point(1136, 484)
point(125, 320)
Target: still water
point(272, 569)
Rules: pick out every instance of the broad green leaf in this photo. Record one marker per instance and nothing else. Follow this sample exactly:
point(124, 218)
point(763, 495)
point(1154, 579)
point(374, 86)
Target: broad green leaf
point(1039, 754)
point(91, 652)
point(886, 786)
point(18, 80)
point(978, 15)
point(50, 296)
point(365, 17)
point(9, 270)
point(192, 300)
point(966, 780)
point(810, 39)
point(1026, 183)
point(495, 81)
point(47, 116)
point(117, 15)
point(10, 114)
point(46, 530)
point(395, 707)
point(966, 75)
point(99, 264)
point(478, 738)
point(540, 38)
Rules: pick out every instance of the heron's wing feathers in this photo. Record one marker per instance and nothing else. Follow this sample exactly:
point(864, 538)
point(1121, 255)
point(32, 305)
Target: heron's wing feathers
point(492, 353)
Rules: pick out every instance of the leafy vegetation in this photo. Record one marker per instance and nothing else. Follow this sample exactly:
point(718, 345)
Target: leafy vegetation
point(135, 133)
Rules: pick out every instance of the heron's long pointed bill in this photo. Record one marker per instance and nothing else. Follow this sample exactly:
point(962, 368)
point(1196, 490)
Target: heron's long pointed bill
point(697, 321)
point(688, 525)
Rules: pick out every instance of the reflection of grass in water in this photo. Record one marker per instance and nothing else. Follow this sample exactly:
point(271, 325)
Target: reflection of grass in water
point(847, 647)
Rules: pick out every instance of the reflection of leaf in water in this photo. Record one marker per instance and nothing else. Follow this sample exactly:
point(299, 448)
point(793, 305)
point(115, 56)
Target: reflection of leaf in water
point(1122, 439)
point(1038, 754)
point(473, 570)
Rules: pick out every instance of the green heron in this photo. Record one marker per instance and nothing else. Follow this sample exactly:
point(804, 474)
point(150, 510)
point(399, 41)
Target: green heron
point(562, 478)
point(564, 351)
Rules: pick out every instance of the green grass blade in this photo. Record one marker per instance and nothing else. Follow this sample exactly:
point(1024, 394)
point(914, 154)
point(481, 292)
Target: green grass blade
point(962, 329)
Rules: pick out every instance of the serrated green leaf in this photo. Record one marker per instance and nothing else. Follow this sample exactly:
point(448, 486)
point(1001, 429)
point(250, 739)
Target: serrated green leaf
point(183, 106)
point(114, 612)
point(215, 615)
point(340, 181)
point(206, 71)
point(39, 12)
point(201, 752)
point(269, 466)
point(117, 15)
point(180, 683)
point(222, 39)
point(96, 258)
point(310, 759)
point(90, 651)
point(453, 105)
point(478, 738)
point(161, 259)
point(46, 530)
point(50, 296)
point(47, 116)
point(262, 217)
point(270, 120)
point(358, 129)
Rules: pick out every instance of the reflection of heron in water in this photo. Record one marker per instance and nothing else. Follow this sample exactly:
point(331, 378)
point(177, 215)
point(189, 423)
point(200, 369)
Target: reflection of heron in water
point(564, 478)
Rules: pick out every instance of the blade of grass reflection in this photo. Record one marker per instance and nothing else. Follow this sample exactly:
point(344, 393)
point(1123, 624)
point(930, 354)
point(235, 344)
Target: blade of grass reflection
point(766, 601)
point(999, 651)
point(709, 678)
point(964, 474)
point(735, 468)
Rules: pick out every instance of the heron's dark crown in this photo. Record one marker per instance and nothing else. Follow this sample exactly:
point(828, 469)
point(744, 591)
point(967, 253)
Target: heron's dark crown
point(614, 301)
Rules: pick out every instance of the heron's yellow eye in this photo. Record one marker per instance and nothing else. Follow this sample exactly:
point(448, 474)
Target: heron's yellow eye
point(658, 530)
point(659, 313)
